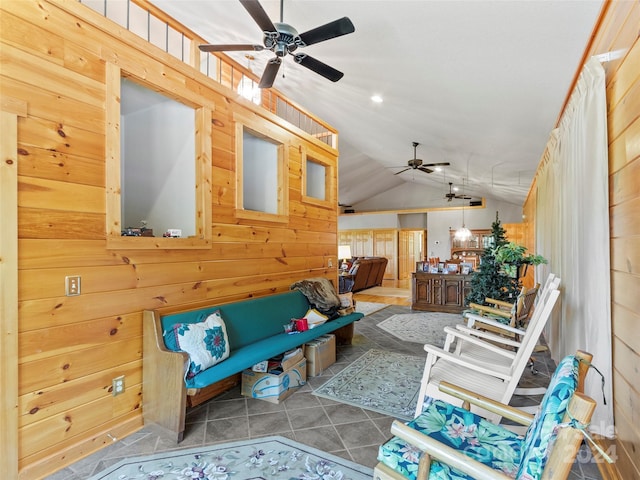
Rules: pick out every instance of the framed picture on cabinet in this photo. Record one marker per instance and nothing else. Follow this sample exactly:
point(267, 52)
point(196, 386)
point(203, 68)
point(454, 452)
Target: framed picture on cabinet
point(452, 267)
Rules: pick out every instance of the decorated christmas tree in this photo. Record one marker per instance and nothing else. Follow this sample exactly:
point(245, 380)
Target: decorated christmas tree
point(489, 280)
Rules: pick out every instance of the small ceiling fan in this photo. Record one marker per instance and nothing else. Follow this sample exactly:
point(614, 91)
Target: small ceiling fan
point(416, 163)
point(451, 195)
point(282, 39)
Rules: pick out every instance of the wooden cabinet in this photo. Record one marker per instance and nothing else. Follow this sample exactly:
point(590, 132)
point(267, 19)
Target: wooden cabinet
point(437, 292)
point(474, 246)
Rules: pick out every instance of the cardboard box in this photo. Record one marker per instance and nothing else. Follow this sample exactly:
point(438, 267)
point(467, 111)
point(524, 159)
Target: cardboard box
point(321, 354)
point(275, 385)
point(280, 363)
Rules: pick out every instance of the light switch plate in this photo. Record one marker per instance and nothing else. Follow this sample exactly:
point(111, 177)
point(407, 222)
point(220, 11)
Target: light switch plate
point(72, 285)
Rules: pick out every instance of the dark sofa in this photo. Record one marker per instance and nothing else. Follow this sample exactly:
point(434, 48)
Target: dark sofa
point(369, 272)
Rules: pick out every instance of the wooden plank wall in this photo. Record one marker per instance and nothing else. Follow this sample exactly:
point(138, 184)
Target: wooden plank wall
point(54, 55)
point(618, 32)
point(381, 242)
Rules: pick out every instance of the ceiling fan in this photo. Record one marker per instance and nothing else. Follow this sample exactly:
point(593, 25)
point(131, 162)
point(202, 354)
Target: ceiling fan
point(416, 163)
point(451, 195)
point(282, 39)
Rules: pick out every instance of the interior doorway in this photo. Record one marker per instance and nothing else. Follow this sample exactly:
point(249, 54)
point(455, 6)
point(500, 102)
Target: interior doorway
point(411, 249)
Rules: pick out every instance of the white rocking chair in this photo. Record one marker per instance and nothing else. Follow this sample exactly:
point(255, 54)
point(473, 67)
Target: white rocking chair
point(481, 366)
point(450, 442)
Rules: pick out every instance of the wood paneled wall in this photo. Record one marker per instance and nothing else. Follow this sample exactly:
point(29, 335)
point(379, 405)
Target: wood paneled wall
point(54, 58)
point(374, 243)
point(618, 32)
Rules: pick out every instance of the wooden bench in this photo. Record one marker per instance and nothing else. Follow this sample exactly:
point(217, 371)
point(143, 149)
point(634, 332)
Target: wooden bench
point(255, 333)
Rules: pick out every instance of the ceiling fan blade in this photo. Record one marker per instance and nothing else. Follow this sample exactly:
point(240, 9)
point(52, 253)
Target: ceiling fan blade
point(398, 173)
point(443, 164)
point(317, 66)
point(269, 74)
point(425, 169)
point(230, 47)
point(334, 29)
point(259, 15)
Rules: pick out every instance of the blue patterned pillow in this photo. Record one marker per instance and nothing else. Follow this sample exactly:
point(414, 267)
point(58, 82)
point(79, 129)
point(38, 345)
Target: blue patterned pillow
point(205, 342)
point(554, 405)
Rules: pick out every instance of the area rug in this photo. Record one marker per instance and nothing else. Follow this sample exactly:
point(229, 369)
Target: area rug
point(385, 382)
point(422, 327)
point(259, 459)
point(369, 307)
point(387, 292)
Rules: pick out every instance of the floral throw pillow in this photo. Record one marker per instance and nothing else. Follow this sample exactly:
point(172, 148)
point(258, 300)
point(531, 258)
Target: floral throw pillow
point(205, 342)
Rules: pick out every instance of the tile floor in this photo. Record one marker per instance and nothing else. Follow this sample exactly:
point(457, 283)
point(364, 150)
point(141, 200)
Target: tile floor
point(350, 432)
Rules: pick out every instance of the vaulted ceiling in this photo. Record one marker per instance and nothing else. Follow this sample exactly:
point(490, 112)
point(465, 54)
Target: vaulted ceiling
point(479, 84)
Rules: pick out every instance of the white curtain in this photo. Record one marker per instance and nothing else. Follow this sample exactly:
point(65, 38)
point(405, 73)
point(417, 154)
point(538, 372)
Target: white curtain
point(572, 232)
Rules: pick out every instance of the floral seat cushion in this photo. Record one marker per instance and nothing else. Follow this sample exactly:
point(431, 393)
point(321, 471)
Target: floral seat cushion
point(460, 429)
point(490, 444)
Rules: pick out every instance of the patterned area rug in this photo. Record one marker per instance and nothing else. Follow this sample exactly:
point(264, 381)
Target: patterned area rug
point(423, 327)
point(385, 382)
point(369, 307)
point(258, 459)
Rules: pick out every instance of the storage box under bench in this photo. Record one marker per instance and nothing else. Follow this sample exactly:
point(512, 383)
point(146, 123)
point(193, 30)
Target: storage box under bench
point(276, 384)
point(320, 354)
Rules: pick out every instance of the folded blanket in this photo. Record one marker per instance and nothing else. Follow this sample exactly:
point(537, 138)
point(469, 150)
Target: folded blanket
point(321, 294)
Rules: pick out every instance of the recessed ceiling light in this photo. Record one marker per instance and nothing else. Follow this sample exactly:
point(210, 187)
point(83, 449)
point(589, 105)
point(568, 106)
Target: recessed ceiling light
point(438, 169)
point(376, 98)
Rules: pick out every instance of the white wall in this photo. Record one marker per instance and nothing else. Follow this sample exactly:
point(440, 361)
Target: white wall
point(407, 196)
point(438, 223)
point(158, 163)
point(355, 222)
point(260, 174)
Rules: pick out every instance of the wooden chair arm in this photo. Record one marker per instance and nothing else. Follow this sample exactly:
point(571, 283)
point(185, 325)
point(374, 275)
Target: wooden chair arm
point(452, 457)
point(493, 323)
point(464, 362)
point(499, 302)
point(465, 336)
point(490, 310)
point(492, 337)
point(523, 418)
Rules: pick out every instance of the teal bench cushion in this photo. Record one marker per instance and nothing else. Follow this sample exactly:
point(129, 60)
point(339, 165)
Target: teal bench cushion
point(265, 315)
point(248, 355)
point(255, 331)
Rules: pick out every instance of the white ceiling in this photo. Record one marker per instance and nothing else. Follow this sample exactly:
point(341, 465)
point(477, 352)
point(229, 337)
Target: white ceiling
point(478, 83)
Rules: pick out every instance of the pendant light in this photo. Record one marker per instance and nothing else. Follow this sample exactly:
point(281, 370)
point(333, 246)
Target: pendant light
point(463, 234)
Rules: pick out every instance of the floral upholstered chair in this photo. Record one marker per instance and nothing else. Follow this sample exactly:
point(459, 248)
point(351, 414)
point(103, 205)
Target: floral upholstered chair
point(449, 442)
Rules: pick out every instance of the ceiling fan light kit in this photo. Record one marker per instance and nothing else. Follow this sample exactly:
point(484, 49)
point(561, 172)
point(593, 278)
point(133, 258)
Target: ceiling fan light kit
point(417, 164)
point(451, 195)
point(282, 39)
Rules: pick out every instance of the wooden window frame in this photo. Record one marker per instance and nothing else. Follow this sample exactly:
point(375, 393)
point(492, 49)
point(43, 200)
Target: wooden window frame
point(272, 133)
point(329, 180)
point(203, 130)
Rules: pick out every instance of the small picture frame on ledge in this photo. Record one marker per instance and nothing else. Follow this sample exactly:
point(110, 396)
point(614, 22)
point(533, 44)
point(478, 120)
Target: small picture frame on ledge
point(452, 267)
point(466, 270)
point(433, 269)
